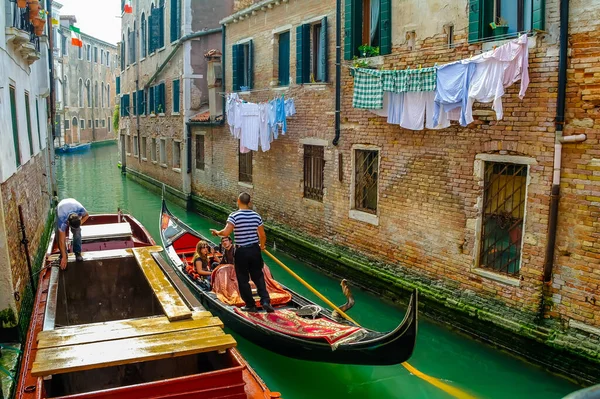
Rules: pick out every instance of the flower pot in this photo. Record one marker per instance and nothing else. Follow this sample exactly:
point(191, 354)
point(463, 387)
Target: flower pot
point(34, 9)
point(21, 3)
point(38, 26)
point(500, 31)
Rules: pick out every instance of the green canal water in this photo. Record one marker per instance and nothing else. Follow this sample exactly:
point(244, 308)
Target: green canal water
point(484, 372)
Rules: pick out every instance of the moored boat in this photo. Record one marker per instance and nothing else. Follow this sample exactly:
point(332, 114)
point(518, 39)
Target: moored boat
point(69, 148)
point(113, 326)
point(288, 331)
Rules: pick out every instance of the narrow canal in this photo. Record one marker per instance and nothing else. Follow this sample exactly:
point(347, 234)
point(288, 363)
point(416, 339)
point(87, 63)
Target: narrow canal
point(483, 372)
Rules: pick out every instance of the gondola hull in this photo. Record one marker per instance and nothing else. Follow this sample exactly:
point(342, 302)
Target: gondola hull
point(73, 148)
point(374, 348)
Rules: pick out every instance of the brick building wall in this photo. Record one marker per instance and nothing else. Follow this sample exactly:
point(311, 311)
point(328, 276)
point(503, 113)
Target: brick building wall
point(430, 183)
point(28, 188)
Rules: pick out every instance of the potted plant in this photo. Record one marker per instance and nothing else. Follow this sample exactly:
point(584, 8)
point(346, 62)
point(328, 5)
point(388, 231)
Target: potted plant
point(500, 27)
point(360, 63)
point(39, 22)
point(368, 51)
point(34, 9)
point(21, 3)
point(160, 109)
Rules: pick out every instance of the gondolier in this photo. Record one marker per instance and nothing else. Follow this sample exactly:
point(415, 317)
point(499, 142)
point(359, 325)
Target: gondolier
point(250, 239)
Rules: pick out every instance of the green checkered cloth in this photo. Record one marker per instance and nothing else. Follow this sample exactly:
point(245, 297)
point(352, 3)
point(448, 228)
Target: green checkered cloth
point(368, 89)
point(423, 79)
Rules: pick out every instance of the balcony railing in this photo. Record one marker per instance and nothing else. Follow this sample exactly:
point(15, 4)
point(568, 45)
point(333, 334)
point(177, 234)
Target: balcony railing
point(22, 22)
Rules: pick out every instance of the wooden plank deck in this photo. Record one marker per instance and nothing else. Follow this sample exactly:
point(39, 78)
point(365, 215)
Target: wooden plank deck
point(109, 230)
point(172, 303)
point(121, 329)
point(65, 359)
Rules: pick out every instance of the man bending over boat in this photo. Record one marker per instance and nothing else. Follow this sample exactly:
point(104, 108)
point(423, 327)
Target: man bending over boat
point(69, 213)
point(247, 227)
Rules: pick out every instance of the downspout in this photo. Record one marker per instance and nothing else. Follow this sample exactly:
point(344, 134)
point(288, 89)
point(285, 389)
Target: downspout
point(338, 68)
point(137, 88)
point(559, 139)
point(223, 66)
point(51, 162)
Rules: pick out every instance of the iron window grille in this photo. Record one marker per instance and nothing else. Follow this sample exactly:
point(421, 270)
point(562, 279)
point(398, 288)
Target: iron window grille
point(503, 215)
point(200, 151)
point(314, 166)
point(366, 173)
point(245, 167)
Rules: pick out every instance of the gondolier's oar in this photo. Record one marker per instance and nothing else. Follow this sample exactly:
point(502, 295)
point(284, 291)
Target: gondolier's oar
point(455, 392)
point(310, 288)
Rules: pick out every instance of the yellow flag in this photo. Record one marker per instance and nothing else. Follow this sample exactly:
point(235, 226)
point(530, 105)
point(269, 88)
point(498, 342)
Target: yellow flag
point(55, 21)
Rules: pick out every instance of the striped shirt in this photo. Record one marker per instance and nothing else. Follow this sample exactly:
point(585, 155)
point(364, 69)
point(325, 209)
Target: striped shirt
point(245, 224)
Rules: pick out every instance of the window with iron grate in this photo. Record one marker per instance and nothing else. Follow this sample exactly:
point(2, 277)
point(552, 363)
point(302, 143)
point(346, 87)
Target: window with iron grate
point(504, 200)
point(366, 171)
point(314, 167)
point(245, 167)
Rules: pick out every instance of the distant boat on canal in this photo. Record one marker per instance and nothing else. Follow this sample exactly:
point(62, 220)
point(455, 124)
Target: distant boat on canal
point(70, 148)
point(114, 326)
point(298, 328)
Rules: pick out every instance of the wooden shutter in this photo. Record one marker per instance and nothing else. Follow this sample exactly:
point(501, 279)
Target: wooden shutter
point(539, 14)
point(162, 26)
point(284, 59)
point(348, 33)
point(141, 106)
point(324, 43)
point(15, 126)
point(250, 65)
point(176, 96)
point(151, 100)
point(118, 84)
point(155, 29)
point(162, 97)
point(299, 56)
point(175, 20)
point(474, 20)
point(235, 61)
point(385, 27)
point(135, 99)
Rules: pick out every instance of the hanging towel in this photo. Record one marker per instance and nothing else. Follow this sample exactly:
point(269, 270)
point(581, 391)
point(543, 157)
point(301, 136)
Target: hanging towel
point(452, 90)
point(413, 110)
point(368, 89)
point(250, 126)
point(264, 131)
point(410, 80)
point(395, 107)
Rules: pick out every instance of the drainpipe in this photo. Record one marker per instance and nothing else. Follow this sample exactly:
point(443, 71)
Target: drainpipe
point(137, 88)
point(338, 68)
point(559, 140)
point(51, 162)
point(223, 66)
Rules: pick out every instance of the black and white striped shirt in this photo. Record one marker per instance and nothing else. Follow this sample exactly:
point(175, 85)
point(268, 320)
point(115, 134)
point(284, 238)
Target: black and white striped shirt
point(245, 224)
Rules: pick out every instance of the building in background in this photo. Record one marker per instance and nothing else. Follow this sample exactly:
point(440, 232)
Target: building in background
point(85, 86)
point(26, 150)
point(163, 84)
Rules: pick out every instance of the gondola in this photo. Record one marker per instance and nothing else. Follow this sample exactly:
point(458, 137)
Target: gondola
point(320, 336)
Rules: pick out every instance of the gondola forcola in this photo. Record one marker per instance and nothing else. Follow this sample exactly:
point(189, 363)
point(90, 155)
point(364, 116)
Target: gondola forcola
point(298, 328)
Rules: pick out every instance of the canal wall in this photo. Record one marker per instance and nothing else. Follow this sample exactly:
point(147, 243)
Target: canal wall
point(564, 350)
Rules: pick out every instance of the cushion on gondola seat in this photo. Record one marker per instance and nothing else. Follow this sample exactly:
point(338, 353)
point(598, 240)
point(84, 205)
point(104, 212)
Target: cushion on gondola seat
point(225, 286)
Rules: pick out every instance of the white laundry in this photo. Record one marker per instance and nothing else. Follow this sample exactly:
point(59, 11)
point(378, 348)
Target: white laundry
point(383, 111)
point(250, 126)
point(233, 118)
point(495, 70)
point(264, 131)
point(413, 110)
point(443, 120)
point(394, 108)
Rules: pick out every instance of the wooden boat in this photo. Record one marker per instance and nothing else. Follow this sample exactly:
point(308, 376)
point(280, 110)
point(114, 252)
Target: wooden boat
point(324, 338)
point(70, 148)
point(113, 326)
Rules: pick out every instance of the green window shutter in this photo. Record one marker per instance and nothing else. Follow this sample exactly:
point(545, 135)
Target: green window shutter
point(349, 49)
point(28, 115)
point(134, 108)
point(15, 125)
point(151, 100)
point(235, 61)
point(385, 27)
point(37, 116)
point(175, 20)
point(161, 96)
point(474, 20)
point(176, 96)
point(140, 102)
point(283, 68)
point(155, 26)
point(162, 26)
point(325, 49)
point(128, 108)
point(121, 106)
point(250, 65)
point(157, 99)
point(539, 15)
point(299, 56)
point(118, 84)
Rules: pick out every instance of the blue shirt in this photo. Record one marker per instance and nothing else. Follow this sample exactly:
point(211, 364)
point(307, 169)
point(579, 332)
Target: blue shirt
point(64, 209)
point(452, 89)
point(245, 226)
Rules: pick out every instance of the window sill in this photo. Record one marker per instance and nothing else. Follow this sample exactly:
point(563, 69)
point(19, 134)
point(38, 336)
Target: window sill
point(142, 59)
point(515, 282)
point(243, 92)
point(316, 85)
point(161, 114)
point(175, 114)
point(489, 45)
point(373, 61)
point(281, 88)
point(152, 116)
point(164, 165)
point(177, 170)
point(364, 217)
point(203, 170)
point(160, 49)
point(154, 162)
point(128, 154)
point(310, 201)
point(244, 184)
point(145, 159)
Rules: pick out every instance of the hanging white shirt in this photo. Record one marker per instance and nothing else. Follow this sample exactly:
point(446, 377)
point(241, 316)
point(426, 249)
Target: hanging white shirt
point(250, 119)
point(264, 131)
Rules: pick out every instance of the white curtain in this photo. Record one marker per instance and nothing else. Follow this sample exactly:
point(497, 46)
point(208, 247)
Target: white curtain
point(374, 18)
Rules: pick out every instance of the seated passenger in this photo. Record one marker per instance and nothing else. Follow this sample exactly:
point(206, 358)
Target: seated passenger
point(228, 251)
point(201, 260)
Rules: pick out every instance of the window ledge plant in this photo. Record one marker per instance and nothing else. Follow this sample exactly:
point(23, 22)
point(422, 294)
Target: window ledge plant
point(368, 51)
point(499, 27)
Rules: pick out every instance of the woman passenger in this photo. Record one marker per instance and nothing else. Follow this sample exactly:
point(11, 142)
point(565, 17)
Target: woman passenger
point(201, 260)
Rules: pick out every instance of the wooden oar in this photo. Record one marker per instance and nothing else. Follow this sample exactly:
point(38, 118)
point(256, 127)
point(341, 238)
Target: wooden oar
point(450, 390)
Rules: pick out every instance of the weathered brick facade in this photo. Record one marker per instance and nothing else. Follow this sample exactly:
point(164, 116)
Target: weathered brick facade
point(426, 231)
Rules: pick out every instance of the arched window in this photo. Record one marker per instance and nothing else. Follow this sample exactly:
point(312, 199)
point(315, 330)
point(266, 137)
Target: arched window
point(74, 124)
point(96, 94)
point(80, 94)
point(102, 95)
point(107, 96)
point(143, 37)
point(123, 53)
point(133, 50)
point(161, 5)
point(88, 92)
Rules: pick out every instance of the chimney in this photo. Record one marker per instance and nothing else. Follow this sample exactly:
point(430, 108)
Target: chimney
point(214, 79)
